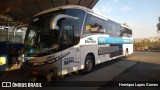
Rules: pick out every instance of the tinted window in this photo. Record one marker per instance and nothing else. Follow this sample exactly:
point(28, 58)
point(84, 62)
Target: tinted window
point(104, 25)
point(46, 38)
point(46, 24)
point(114, 28)
point(67, 34)
point(125, 32)
point(94, 25)
point(71, 28)
point(76, 23)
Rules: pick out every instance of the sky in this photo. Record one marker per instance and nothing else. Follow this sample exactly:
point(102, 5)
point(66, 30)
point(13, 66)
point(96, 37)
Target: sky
point(141, 15)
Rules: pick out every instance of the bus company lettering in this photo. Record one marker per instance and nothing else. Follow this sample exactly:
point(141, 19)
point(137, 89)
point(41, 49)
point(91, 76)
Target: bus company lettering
point(102, 40)
point(68, 60)
point(90, 40)
point(49, 58)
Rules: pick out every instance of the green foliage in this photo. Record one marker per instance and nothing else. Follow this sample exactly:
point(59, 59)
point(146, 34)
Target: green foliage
point(146, 44)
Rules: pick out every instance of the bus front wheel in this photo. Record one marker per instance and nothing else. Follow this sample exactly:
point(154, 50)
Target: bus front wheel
point(88, 64)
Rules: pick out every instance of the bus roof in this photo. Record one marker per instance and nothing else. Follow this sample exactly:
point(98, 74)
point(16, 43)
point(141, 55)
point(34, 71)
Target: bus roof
point(73, 7)
point(78, 7)
point(64, 7)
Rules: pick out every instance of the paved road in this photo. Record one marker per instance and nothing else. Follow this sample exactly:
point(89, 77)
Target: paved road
point(147, 69)
point(140, 66)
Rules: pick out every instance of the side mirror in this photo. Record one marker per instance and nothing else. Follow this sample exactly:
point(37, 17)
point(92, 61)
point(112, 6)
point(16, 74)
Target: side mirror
point(54, 20)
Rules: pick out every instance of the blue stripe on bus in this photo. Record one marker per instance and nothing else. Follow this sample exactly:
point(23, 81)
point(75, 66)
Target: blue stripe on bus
point(111, 40)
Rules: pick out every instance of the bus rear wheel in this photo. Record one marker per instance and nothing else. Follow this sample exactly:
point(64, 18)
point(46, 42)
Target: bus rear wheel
point(126, 53)
point(88, 64)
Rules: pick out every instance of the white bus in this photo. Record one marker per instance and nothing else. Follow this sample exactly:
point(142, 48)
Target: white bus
point(71, 38)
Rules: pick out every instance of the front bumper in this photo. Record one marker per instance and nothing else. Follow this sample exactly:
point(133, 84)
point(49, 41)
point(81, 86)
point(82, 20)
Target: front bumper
point(40, 70)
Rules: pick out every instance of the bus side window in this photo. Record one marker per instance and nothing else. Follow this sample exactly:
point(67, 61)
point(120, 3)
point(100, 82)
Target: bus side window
point(68, 35)
point(124, 32)
point(110, 28)
point(104, 25)
point(94, 25)
point(90, 22)
point(118, 30)
point(114, 29)
point(107, 28)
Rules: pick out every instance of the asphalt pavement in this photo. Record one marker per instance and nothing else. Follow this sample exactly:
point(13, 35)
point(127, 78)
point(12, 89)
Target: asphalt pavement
point(140, 66)
point(146, 70)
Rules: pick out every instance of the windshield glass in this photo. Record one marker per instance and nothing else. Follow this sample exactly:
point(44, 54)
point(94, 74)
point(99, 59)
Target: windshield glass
point(39, 38)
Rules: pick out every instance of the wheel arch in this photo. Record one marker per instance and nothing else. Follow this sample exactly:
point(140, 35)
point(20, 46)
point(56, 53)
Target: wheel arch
point(127, 50)
point(92, 55)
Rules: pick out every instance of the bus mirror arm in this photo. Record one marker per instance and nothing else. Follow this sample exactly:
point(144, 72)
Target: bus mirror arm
point(54, 20)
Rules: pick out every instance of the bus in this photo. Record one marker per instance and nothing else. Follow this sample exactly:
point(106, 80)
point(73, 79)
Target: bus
point(73, 38)
point(11, 43)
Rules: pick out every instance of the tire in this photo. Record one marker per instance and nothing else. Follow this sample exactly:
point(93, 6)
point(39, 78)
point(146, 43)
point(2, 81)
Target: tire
point(88, 64)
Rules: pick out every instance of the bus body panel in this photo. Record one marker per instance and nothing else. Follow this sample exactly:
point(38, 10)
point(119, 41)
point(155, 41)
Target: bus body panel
point(103, 45)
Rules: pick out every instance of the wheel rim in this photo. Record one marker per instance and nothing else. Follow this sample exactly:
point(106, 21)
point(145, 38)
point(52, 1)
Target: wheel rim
point(126, 53)
point(89, 65)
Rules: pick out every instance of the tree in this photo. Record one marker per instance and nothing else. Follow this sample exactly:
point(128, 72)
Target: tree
point(158, 26)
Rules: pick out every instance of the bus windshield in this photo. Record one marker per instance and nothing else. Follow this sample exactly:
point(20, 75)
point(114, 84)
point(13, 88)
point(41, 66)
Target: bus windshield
point(40, 39)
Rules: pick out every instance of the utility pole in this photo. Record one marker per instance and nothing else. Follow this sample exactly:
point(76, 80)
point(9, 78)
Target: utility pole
point(158, 26)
